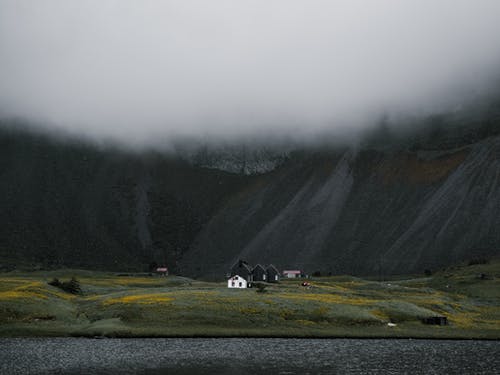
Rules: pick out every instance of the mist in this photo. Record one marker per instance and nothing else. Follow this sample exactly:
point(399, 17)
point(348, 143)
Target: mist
point(147, 71)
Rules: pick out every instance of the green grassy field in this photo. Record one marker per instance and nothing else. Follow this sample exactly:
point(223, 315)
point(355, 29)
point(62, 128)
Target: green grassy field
point(343, 306)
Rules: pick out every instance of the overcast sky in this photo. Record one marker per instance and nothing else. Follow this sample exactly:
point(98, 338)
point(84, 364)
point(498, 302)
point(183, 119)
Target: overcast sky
point(138, 70)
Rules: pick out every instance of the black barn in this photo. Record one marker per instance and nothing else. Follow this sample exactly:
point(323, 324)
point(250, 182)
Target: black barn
point(259, 273)
point(273, 275)
point(242, 269)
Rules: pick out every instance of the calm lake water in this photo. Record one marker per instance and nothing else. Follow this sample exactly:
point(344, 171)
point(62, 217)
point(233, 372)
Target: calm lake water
point(247, 356)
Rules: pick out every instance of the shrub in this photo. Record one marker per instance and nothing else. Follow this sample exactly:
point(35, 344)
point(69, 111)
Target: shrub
point(55, 282)
point(261, 288)
point(72, 286)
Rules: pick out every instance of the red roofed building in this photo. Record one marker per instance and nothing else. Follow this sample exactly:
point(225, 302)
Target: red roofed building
point(290, 274)
point(163, 271)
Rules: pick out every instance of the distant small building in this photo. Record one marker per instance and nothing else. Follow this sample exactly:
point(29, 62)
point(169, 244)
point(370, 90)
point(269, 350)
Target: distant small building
point(273, 275)
point(259, 273)
point(237, 281)
point(290, 274)
point(162, 271)
point(435, 320)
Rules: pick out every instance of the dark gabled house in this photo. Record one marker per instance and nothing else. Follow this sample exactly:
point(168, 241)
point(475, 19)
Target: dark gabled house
point(272, 274)
point(242, 269)
point(259, 273)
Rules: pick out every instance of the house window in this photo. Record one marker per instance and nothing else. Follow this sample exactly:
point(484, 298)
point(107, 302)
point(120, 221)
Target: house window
point(232, 283)
point(240, 284)
point(264, 277)
point(276, 277)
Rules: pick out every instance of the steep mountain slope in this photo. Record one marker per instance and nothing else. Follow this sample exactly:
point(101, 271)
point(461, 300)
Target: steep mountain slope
point(74, 205)
point(367, 213)
point(382, 208)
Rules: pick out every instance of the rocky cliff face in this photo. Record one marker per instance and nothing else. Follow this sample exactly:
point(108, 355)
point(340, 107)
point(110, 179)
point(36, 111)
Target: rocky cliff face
point(370, 210)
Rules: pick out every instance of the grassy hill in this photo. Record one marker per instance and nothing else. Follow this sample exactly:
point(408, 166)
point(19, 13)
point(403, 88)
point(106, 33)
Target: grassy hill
point(343, 306)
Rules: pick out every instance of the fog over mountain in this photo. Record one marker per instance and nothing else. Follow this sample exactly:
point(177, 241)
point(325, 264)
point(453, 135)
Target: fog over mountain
point(344, 137)
point(151, 71)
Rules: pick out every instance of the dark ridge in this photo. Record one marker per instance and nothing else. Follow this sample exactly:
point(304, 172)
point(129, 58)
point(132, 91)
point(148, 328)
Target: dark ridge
point(399, 202)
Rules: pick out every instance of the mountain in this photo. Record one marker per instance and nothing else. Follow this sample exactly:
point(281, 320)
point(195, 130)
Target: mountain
point(397, 202)
point(366, 212)
point(70, 204)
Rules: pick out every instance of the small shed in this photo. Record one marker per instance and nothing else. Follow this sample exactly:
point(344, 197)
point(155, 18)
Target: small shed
point(236, 281)
point(273, 275)
point(259, 273)
point(435, 320)
point(162, 271)
point(290, 274)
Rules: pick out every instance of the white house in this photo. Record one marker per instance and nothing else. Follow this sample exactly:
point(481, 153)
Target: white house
point(290, 274)
point(236, 281)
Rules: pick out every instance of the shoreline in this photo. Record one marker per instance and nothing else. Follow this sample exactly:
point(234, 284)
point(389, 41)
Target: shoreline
point(405, 334)
point(221, 337)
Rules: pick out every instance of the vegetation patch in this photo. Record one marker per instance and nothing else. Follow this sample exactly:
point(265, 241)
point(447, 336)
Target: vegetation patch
point(71, 286)
point(120, 306)
point(141, 298)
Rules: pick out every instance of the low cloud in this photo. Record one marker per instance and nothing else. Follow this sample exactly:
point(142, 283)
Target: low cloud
point(137, 71)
